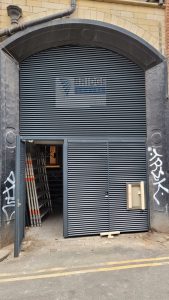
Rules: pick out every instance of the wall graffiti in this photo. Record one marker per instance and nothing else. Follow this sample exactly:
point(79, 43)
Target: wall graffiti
point(156, 165)
point(9, 192)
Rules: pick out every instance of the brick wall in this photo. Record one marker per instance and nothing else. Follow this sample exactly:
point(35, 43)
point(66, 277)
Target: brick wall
point(146, 20)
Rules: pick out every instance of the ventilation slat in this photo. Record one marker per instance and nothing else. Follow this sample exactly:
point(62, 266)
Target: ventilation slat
point(95, 168)
point(49, 106)
point(53, 104)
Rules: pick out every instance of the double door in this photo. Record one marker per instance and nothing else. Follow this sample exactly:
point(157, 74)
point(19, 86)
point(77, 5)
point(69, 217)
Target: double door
point(96, 173)
point(95, 193)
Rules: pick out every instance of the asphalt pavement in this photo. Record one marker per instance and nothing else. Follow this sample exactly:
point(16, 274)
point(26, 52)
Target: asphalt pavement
point(133, 266)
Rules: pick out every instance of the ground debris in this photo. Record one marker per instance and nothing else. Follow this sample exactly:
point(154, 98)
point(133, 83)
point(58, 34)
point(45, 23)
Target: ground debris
point(109, 234)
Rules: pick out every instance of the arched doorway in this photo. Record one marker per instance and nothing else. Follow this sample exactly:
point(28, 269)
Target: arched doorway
point(91, 34)
point(96, 95)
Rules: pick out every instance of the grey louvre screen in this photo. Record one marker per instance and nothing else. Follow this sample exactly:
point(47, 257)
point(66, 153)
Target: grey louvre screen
point(127, 164)
point(97, 176)
point(81, 91)
point(88, 211)
point(90, 93)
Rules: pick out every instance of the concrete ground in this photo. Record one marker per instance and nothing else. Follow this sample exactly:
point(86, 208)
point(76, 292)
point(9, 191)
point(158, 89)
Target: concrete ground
point(130, 266)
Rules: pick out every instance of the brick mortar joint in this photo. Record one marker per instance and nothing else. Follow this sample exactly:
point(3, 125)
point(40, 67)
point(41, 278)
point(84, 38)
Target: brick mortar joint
point(132, 2)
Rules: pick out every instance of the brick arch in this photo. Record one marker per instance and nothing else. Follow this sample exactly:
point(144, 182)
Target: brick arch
point(97, 14)
point(82, 32)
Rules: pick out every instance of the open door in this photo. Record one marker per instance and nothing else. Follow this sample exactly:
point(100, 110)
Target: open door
point(20, 194)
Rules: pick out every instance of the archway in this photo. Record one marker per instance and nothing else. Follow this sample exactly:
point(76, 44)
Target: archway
point(84, 33)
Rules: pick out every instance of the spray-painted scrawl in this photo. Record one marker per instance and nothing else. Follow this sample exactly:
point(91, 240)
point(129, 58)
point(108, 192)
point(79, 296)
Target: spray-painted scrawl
point(9, 207)
point(156, 165)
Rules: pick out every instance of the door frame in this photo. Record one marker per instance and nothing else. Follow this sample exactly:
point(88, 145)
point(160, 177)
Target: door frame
point(19, 139)
point(20, 203)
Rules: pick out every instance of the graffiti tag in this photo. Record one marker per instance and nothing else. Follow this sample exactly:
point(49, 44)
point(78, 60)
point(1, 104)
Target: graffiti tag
point(9, 207)
point(157, 172)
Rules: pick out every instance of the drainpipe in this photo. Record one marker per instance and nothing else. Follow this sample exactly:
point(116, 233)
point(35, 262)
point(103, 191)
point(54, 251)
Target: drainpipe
point(19, 27)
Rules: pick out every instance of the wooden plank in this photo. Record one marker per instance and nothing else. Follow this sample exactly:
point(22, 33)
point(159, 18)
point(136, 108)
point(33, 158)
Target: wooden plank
point(109, 233)
point(53, 155)
point(54, 166)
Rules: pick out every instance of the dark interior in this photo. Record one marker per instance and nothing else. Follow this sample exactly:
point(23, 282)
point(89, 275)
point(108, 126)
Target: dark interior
point(53, 170)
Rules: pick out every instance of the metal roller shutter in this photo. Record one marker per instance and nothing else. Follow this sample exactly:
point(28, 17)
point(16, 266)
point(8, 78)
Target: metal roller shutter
point(50, 106)
point(127, 164)
point(54, 102)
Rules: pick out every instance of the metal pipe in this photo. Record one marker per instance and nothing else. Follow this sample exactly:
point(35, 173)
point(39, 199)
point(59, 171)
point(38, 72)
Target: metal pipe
point(14, 29)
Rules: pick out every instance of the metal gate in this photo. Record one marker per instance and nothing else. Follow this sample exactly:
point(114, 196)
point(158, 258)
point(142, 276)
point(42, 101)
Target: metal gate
point(97, 174)
point(20, 195)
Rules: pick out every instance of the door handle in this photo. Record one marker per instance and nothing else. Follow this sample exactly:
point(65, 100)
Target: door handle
point(106, 195)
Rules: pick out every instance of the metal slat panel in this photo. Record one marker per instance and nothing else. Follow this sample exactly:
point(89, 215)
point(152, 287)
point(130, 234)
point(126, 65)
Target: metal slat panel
point(120, 113)
point(43, 111)
point(127, 164)
point(93, 169)
point(88, 211)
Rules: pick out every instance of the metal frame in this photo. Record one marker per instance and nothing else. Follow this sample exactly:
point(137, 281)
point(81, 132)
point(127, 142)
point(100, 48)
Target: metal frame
point(147, 187)
point(65, 168)
point(19, 203)
point(17, 180)
point(55, 138)
point(84, 139)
